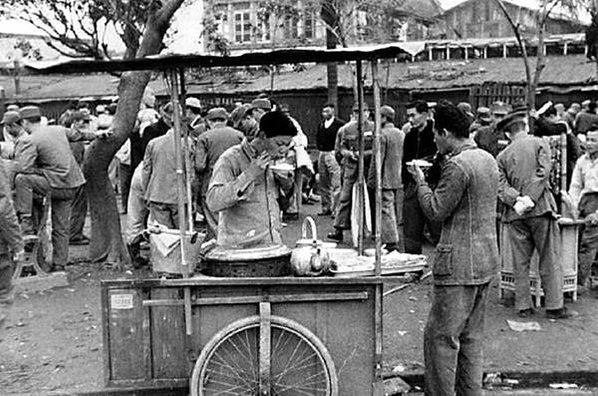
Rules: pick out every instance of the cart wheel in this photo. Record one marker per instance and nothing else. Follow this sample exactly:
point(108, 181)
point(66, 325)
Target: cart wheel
point(229, 363)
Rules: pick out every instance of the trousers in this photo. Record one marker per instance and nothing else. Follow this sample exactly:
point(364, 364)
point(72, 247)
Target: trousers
point(61, 200)
point(165, 214)
point(542, 234)
point(414, 222)
point(342, 216)
point(137, 211)
point(453, 340)
point(78, 213)
point(588, 244)
point(330, 180)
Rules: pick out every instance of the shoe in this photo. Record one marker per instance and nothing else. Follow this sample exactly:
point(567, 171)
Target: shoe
point(526, 313)
point(561, 313)
point(336, 235)
point(79, 241)
point(325, 213)
point(27, 227)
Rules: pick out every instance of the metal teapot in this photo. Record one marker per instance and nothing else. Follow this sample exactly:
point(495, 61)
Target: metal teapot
point(311, 256)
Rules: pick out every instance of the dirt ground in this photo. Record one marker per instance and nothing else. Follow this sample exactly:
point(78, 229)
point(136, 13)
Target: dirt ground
point(52, 340)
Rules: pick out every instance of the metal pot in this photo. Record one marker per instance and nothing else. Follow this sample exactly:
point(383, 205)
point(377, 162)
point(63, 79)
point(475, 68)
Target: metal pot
point(310, 257)
point(266, 261)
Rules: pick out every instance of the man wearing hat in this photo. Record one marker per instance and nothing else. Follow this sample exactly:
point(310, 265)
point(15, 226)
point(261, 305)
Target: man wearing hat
point(46, 166)
point(347, 154)
point(12, 131)
point(244, 189)
point(528, 214)
point(586, 118)
point(242, 121)
point(483, 118)
point(391, 154)
point(259, 107)
point(210, 146)
point(193, 113)
point(490, 138)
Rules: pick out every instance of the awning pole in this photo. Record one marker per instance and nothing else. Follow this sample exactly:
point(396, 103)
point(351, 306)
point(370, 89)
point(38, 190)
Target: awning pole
point(188, 168)
point(378, 162)
point(176, 117)
point(361, 163)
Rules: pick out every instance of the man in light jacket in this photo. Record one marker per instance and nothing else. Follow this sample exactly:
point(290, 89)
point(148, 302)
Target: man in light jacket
point(466, 258)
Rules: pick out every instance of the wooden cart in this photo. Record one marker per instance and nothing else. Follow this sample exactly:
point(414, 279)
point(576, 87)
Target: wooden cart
point(266, 336)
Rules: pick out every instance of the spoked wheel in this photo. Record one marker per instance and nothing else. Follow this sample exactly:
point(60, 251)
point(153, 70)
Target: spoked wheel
point(230, 363)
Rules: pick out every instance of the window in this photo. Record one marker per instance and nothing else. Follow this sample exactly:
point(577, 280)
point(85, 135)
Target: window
point(264, 32)
point(290, 27)
point(242, 27)
point(309, 31)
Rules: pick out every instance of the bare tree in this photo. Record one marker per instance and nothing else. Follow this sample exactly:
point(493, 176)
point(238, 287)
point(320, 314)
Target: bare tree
point(542, 15)
point(75, 24)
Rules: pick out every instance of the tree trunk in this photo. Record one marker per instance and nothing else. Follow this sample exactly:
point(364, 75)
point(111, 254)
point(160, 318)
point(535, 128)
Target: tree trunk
point(106, 240)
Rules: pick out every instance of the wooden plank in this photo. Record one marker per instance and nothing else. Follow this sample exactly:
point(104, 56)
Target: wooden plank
point(106, 334)
point(213, 281)
point(257, 299)
point(147, 341)
point(126, 334)
point(265, 348)
point(378, 311)
point(168, 336)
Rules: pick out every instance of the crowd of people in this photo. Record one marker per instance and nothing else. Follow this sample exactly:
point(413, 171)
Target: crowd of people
point(450, 176)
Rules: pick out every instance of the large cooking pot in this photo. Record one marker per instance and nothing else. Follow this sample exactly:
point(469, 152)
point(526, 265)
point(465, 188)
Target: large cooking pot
point(266, 261)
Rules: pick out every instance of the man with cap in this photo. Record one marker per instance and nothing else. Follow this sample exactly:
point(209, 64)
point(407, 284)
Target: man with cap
point(12, 131)
point(259, 107)
point(391, 154)
point(483, 118)
point(140, 139)
point(528, 214)
point(418, 144)
point(242, 121)
point(46, 166)
point(193, 113)
point(346, 149)
point(328, 168)
point(584, 195)
point(210, 146)
point(244, 189)
point(490, 138)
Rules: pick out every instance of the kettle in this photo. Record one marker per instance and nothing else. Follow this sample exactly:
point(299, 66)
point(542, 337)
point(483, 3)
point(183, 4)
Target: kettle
point(311, 256)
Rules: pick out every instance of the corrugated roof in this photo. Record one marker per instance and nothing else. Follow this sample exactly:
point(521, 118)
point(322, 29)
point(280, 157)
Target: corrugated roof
point(572, 70)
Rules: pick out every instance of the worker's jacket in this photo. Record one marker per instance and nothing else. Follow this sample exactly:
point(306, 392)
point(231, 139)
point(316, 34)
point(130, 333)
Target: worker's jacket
point(248, 216)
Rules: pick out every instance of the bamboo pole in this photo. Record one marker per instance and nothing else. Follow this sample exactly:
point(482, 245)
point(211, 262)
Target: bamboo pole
point(361, 162)
point(176, 117)
point(186, 150)
point(378, 162)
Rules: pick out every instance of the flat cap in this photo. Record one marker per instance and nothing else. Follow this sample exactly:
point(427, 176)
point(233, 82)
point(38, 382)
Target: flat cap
point(12, 107)
point(484, 113)
point(30, 112)
point(10, 117)
point(518, 114)
point(388, 112)
point(500, 108)
point(193, 102)
point(261, 103)
point(217, 113)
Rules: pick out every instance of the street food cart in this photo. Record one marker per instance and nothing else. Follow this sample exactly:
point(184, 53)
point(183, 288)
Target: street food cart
point(266, 335)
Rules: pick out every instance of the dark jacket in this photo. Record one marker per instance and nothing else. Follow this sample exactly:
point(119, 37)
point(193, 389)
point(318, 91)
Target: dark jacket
point(326, 137)
point(420, 145)
point(139, 143)
point(465, 202)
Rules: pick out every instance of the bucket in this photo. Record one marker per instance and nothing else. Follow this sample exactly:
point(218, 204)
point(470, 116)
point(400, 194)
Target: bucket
point(165, 249)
